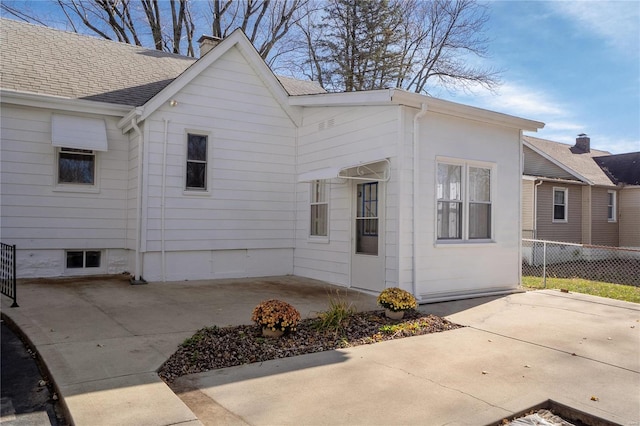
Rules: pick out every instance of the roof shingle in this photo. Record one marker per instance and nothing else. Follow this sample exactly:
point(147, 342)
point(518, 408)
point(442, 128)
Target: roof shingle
point(48, 61)
point(580, 162)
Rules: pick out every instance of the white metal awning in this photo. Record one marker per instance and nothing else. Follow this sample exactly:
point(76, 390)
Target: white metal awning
point(377, 171)
point(71, 131)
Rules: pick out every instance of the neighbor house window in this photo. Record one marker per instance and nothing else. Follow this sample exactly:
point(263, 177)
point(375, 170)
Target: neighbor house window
point(611, 206)
point(196, 161)
point(76, 166)
point(319, 208)
point(464, 204)
point(560, 204)
point(80, 259)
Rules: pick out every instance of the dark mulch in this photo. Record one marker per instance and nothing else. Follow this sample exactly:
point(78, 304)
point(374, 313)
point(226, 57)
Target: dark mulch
point(212, 347)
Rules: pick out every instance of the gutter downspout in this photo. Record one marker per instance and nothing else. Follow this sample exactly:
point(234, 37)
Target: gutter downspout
point(137, 278)
point(416, 175)
point(162, 201)
point(535, 208)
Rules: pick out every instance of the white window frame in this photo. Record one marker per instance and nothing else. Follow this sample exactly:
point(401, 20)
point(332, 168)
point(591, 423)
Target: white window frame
point(84, 270)
point(193, 190)
point(76, 186)
point(566, 204)
point(614, 207)
point(313, 202)
point(465, 200)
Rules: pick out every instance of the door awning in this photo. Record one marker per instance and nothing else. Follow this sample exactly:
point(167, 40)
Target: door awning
point(71, 131)
point(376, 171)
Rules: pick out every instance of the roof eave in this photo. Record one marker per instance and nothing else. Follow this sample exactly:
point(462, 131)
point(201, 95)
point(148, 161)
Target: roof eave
point(414, 100)
point(464, 111)
point(38, 100)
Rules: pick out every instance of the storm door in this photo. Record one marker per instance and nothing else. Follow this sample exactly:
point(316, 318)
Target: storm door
point(367, 260)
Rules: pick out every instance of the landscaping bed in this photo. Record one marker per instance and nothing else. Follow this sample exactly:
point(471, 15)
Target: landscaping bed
point(214, 347)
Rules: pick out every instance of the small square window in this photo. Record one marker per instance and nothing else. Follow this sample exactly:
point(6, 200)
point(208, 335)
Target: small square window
point(76, 166)
point(75, 259)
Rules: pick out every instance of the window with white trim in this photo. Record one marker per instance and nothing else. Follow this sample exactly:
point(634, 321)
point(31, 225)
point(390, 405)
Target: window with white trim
point(560, 204)
point(319, 203)
point(611, 206)
point(196, 170)
point(82, 259)
point(76, 166)
point(464, 202)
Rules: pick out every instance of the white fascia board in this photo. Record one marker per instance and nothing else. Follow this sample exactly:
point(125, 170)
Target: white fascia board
point(248, 51)
point(60, 103)
point(556, 180)
point(125, 123)
point(415, 100)
point(368, 97)
point(557, 163)
point(442, 106)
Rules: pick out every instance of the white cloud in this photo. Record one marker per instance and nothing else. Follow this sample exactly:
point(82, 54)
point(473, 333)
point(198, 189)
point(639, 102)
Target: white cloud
point(618, 22)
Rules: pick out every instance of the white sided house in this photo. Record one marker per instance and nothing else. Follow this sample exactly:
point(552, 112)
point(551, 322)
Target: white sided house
point(180, 169)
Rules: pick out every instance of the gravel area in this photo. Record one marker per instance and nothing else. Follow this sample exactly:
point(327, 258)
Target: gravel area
point(212, 347)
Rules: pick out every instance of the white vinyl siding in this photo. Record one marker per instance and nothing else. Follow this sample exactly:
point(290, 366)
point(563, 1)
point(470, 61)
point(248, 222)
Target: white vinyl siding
point(336, 137)
point(37, 216)
point(249, 199)
point(449, 267)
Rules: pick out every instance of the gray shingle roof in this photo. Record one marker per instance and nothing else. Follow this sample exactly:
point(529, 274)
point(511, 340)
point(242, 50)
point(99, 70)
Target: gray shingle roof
point(47, 61)
point(580, 162)
point(623, 168)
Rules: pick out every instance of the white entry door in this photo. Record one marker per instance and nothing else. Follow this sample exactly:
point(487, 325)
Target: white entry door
point(367, 258)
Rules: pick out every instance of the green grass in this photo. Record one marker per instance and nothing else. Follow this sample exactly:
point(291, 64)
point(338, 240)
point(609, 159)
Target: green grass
point(627, 293)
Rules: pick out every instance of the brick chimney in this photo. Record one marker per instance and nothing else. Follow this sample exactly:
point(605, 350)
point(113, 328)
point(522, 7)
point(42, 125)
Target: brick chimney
point(583, 143)
point(207, 43)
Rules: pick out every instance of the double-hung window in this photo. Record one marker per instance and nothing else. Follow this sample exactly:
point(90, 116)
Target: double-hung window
point(464, 206)
point(611, 206)
point(319, 202)
point(76, 166)
point(560, 204)
point(196, 176)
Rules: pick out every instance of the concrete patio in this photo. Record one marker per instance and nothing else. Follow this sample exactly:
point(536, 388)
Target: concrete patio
point(103, 339)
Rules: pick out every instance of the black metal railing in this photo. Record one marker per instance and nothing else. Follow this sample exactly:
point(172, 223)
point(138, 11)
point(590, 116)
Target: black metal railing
point(8, 272)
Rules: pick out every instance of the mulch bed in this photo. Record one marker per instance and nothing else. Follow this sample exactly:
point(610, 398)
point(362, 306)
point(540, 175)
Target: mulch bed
point(213, 347)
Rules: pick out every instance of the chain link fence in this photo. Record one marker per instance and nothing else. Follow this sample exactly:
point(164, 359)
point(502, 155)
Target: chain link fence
point(552, 259)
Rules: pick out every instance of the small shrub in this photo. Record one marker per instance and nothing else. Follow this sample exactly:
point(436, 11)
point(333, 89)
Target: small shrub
point(276, 315)
point(335, 318)
point(395, 299)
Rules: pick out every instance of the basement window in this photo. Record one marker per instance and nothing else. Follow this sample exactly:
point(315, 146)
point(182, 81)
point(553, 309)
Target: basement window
point(82, 259)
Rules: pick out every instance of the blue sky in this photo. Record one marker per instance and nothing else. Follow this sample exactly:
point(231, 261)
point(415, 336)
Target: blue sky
point(574, 65)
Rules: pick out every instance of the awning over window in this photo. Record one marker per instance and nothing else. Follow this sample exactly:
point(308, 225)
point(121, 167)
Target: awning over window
point(79, 132)
point(377, 171)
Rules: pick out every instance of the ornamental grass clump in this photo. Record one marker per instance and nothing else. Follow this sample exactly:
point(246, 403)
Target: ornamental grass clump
point(276, 315)
point(395, 299)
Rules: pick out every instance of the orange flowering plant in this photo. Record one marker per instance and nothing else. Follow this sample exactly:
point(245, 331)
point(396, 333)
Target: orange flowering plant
point(276, 315)
point(396, 299)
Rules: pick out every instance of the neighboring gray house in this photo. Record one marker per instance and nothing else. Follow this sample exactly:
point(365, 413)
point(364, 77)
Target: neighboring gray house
point(624, 171)
point(116, 158)
point(567, 195)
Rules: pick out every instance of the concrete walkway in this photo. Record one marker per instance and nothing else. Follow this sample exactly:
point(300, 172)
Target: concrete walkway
point(103, 340)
